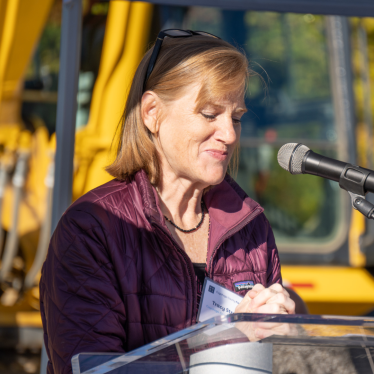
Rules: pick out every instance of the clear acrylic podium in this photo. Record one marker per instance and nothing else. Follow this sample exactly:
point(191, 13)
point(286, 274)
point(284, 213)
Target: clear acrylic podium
point(249, 343)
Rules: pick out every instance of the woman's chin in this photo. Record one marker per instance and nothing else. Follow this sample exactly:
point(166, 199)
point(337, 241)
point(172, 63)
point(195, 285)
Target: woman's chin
point(212, 179)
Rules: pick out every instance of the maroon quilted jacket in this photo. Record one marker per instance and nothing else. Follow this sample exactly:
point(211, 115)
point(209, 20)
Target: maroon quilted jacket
point(114, 278)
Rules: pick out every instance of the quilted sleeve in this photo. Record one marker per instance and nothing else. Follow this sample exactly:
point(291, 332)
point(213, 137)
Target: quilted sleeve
point(80, 305)
point(274, 268)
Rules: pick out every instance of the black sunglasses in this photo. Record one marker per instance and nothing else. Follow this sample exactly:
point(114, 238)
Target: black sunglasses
point(170, 33)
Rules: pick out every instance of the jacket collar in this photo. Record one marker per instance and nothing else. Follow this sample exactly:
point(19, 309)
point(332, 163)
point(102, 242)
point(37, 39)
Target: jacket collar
point(228, 205)
point(230, 209)
point(150, 200)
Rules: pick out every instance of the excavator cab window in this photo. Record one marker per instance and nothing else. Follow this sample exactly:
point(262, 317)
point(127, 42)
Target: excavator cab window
point(290, 99)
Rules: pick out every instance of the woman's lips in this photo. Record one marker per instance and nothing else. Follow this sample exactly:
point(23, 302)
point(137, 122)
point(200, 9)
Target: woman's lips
point(219, 155)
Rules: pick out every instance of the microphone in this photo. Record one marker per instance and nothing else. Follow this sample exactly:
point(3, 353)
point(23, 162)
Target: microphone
point(299, 159)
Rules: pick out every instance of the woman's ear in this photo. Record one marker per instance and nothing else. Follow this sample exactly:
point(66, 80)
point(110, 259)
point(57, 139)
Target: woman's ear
point(150, 109)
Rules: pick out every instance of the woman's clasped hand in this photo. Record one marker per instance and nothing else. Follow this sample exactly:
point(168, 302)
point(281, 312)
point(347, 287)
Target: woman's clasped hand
point(272, 300)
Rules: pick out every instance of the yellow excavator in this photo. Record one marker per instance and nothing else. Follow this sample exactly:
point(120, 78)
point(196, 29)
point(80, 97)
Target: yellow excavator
point(27, 158)
point(328, 263)
point(24, 162)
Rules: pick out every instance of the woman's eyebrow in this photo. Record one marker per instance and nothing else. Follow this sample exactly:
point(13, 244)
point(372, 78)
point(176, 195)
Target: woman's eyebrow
point(237, 110)
point(241, 110)
point(216, 106)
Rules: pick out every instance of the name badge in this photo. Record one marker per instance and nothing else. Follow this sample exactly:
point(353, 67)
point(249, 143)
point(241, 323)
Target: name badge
point(216, 301)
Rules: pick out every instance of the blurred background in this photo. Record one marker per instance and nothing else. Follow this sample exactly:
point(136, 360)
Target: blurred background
point(314, 85)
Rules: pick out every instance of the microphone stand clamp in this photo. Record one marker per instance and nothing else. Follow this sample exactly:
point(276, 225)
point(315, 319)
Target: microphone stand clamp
point(363, 206)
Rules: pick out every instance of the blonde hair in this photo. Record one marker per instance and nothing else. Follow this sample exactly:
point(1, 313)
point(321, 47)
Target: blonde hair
point(220, 68)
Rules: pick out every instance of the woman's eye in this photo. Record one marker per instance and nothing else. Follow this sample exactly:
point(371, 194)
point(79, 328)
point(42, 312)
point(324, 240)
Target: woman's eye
point(236, 121)
point(209, 116)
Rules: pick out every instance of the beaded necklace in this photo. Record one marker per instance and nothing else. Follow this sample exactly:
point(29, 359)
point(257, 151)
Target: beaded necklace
point(194, 228)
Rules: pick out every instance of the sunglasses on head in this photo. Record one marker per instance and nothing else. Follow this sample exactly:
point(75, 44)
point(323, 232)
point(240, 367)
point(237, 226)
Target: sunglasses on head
point(170, 33)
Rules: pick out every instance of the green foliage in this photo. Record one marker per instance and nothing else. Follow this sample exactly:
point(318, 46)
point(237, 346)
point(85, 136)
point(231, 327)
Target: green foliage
point(300, 196)
point(292, 45)
point(49, 47)
point(47, 52)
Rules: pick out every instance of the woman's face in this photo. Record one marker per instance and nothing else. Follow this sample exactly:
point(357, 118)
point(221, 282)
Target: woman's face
point(197, 146)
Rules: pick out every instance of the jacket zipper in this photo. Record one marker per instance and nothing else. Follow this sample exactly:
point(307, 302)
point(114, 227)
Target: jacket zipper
point(188, 261)
point(235, 229)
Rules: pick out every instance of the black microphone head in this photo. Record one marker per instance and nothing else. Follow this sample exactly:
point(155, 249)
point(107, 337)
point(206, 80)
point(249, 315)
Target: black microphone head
point(290, 157)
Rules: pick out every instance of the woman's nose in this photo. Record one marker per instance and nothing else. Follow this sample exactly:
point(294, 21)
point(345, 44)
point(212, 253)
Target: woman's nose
point(227, 132)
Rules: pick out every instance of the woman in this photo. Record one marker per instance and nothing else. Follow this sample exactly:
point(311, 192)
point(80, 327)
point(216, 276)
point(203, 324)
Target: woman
point(119, 271)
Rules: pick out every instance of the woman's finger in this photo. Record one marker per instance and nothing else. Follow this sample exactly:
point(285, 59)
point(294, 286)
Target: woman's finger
point(262, 297)
point(244, 305)
point(248, 295)
point(286, 301)
point(255, 290)
point(279, 288)
point(258, 287)
point(271, 309)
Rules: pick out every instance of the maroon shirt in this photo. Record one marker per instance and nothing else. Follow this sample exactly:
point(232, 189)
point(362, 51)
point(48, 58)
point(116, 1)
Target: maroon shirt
point(115, 279)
